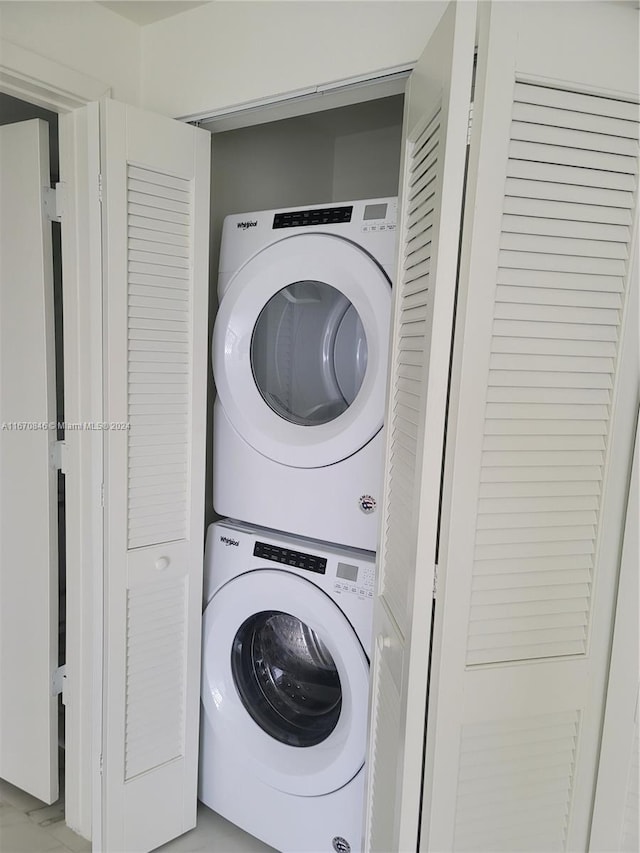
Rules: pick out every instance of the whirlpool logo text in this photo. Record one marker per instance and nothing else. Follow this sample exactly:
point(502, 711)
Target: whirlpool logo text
point(228, 541)
point(251, 223)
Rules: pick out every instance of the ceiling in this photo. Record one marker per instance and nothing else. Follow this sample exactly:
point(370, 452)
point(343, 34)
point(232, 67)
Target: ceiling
point(147, 11)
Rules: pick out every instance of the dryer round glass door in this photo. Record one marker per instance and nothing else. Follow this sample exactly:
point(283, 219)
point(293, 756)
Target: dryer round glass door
point(300, 349)
point(285, 682)
point(309, 353)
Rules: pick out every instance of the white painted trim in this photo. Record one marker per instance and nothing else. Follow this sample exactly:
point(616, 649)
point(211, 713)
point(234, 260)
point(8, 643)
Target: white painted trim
point(381, 84)
point(82, 297)
point(44, 82)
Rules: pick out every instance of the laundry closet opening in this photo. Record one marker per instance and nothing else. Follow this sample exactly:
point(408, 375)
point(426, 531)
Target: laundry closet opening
point(326, 157)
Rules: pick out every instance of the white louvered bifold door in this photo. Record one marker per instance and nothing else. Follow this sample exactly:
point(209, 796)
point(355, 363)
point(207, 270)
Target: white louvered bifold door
point(435, 128)
point(28, 479)
point(155, 214)
point(540, 432)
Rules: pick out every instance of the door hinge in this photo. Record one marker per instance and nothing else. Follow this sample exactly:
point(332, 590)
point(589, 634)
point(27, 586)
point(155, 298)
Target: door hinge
point(52, 198)
point(100, 188)
point(435, 580)
point(469, 125)
point(59, 682)
point(57, 456)
point(101, 494)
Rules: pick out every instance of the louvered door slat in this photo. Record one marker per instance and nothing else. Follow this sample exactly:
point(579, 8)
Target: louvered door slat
point(153, 177)
point(555, 296)
point(562, 117)
point(561, 263)
point(539, 130)
point(535, 504)
point(424, 154)
point(157, 190)
point(534, 186)
point(423, 189)
point(576, 101)
point(570, 155)
point(562, 379)
point(578, 176)
point(582, 247)
point(560, 279)
point(143, 248)
point(147, 232)
point(420, 220)
point(567, 211)
point(564, 227)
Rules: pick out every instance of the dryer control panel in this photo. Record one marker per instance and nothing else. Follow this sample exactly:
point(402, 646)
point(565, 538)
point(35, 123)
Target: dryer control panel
point(380, 216)
point(313, 216)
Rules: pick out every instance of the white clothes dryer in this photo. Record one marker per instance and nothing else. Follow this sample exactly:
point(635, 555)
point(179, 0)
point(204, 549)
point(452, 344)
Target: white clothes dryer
point(285, 687)
point(300, 350)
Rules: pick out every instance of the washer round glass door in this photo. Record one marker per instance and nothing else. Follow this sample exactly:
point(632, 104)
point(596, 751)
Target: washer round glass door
point(300, 350)
point(286, 680)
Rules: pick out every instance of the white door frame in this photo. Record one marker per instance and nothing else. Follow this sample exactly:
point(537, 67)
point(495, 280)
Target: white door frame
point(45, 83)
point(48, 84)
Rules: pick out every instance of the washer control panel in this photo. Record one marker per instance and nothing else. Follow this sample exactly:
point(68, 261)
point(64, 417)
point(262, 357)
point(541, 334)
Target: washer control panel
point(344, 576)
point(352, 579)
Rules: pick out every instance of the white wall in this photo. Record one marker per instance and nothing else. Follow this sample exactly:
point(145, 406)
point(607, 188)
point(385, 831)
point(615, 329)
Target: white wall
point(80, 35)
point(226, 53)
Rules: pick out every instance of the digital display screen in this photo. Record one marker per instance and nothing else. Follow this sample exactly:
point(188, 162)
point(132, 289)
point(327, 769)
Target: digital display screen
point(347, 572)
point(375, 211)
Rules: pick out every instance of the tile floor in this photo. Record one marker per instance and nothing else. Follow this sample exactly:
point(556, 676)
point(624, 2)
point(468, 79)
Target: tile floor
point(28, 825)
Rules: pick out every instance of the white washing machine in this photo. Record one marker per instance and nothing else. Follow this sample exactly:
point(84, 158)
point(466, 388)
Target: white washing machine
point(300, 349)
point(285, 686)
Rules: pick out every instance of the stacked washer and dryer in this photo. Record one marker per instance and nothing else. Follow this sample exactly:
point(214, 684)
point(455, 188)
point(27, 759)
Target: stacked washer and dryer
point(300, 350)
